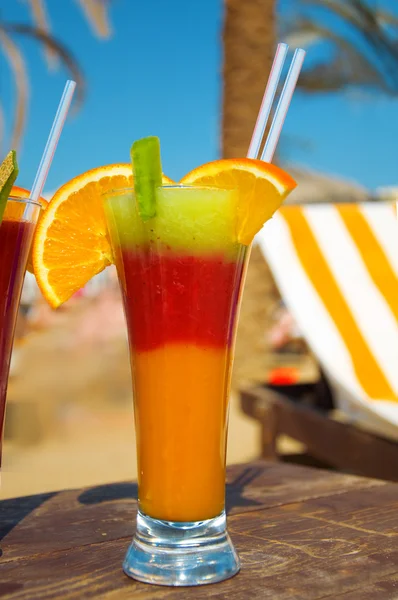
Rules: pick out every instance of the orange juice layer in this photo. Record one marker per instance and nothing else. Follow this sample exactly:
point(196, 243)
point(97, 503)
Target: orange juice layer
point(181, 400)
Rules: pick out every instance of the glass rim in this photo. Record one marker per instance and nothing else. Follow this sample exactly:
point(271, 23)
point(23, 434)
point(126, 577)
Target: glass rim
point(174, 186)
point(24, 200)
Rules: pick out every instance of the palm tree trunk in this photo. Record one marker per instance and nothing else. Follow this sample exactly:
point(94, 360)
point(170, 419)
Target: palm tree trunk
point(249, 36)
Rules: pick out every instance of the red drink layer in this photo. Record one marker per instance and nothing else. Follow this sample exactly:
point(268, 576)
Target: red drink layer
point(173, 298)
point(15, 242)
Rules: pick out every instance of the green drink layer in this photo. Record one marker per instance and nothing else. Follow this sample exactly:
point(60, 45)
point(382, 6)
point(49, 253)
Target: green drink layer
point(189, 219)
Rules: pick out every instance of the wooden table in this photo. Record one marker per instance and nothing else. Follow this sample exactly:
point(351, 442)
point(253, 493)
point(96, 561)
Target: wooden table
point(302, 534)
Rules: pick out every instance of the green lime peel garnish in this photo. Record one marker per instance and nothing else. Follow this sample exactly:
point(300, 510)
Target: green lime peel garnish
point(8, 173)
point(147, 171)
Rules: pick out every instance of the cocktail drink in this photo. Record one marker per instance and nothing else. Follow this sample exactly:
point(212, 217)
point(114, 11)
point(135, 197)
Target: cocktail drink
point(181, 252)
point(18, 219)
point(181, 274)
point(16, 234)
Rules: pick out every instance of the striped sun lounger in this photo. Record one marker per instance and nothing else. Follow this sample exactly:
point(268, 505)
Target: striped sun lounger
point(337, 269)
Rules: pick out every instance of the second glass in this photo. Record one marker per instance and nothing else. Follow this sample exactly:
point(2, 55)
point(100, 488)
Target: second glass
point(181, 276)
point(16, 234)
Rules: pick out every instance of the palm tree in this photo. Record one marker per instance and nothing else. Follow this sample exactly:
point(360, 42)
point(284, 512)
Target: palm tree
point(55, 53)
point(249, 37)
point(249, 41)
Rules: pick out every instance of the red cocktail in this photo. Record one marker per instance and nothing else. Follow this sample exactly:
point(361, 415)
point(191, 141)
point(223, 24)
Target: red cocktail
point(16, 233)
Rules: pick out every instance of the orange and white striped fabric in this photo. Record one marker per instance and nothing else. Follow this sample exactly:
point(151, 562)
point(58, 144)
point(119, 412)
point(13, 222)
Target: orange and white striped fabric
point(337, 270)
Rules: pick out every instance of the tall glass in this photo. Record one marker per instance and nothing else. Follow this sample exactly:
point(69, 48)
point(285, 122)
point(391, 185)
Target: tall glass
point(181, 277)
point(16, 234)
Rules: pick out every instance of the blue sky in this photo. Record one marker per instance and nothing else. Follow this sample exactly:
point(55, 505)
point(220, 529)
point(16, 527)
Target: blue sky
point(160, 74)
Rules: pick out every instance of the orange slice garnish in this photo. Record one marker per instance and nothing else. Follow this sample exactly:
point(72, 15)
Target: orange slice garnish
point(15, 210)
point(261, 187)
point(71, 244)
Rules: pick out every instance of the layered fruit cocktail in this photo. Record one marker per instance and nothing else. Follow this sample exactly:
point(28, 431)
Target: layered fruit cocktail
point(181, 252)
point(180, 275)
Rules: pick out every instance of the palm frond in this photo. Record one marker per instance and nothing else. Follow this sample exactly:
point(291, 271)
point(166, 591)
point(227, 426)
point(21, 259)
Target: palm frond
point(348, 67)
point(59, 49)
point(372, 63)
point(342, 8)
point(384, 18)
point(358, 15)
point(96, 12)
point(17, 64)
point(40, 20)
point(375, 35)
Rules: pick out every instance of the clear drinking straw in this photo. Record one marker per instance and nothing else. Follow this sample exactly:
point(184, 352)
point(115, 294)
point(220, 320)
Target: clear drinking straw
point(282, 107)
point(52, 141)
point(268, 98)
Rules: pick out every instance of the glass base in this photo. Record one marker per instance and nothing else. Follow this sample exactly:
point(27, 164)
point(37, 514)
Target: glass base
point(181, 554)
